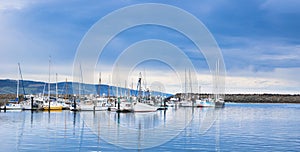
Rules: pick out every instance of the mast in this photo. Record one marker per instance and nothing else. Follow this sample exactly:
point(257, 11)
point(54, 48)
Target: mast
point(217, 81)
point(66, 96)
point(139, 87)
point(80, 82)
point(185, 88)
point(49, 78)
point(191, 87)
point(118, 82)
point(145, 84)
point(56, 95)
point(117, 85)
point(20, 76)
point(18, 83)
point(218, 77)
point(99, 92)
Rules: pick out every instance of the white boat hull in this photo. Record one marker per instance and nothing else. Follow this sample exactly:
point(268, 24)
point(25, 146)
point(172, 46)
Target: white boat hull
point(12, 106)
point(205, 103)
point(92, 108)
point(187, 104)
point(142, 107)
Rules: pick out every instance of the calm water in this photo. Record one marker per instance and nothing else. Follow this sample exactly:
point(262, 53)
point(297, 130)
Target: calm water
point(237, 127)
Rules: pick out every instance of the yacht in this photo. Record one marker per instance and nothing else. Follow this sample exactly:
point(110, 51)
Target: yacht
point(143, 107)
point(12, 106)
point(205, 103)
point(51, 105)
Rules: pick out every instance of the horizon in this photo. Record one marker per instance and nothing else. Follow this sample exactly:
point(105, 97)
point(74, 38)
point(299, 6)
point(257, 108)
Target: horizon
point(259, 42)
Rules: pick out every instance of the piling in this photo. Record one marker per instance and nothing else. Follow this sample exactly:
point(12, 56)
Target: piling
point(31, 103)
point(74, 103)
point(49, 105)
point(95, 104)
point(118, 103)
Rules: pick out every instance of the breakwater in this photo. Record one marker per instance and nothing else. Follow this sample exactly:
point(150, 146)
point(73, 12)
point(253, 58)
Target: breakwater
point(252, 98)
point(262, 98)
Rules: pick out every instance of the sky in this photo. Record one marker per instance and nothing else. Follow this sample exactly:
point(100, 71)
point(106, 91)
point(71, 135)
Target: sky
point(259, 41)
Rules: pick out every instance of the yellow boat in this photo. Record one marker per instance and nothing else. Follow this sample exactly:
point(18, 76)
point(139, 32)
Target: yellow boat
point(53, 107)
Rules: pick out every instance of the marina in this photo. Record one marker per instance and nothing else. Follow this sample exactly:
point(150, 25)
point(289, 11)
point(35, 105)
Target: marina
point(142, 101)
point(149, 76)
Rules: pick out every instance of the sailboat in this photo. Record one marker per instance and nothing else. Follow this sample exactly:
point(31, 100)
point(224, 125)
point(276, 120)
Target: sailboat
point(217, 102)
point(207, 102)
point(14, 104)
point(123, 104)
point(50, 104)
point(65, 103)
point(92, 103)
point(138, 106)
point(187, 102)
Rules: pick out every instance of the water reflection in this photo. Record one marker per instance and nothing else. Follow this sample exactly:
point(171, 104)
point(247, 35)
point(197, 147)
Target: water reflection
point(147, 129)
point(81, 130)
point(74, 121)
point(246, 126)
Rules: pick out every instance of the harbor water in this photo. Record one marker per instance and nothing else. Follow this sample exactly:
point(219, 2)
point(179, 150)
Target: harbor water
point(236, 127)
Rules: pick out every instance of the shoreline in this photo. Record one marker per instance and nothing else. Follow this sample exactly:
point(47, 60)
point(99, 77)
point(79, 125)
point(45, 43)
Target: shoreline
point(254, 98)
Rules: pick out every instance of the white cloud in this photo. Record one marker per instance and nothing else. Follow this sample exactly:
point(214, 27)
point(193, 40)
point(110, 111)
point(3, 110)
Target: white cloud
point(281, 6)
point(7, 5)
point(15, 4)
point(243, 54)
point(280, 80)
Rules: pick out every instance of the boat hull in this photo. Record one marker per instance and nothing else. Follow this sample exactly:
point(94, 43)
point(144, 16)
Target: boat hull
point(92, 108)
point(12, 106)
point(142, 107)
point(53, 108)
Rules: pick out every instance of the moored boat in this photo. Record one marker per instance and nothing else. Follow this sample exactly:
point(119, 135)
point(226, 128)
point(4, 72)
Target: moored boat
point(205, 103)
point(52, 105)
point(142, 107)
point(12, 106)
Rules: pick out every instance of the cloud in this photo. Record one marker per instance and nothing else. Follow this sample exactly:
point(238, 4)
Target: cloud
point(279, 6)
point(280, 80)
point(260, 40)
point(260, 54)
point(15, 4)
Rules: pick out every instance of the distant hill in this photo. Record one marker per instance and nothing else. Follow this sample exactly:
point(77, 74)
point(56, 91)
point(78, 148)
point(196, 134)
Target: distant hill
point(30, 87)
point(8, 86)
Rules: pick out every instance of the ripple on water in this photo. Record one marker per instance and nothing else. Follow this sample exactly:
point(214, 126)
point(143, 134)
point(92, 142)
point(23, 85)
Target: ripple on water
point(252, 127)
